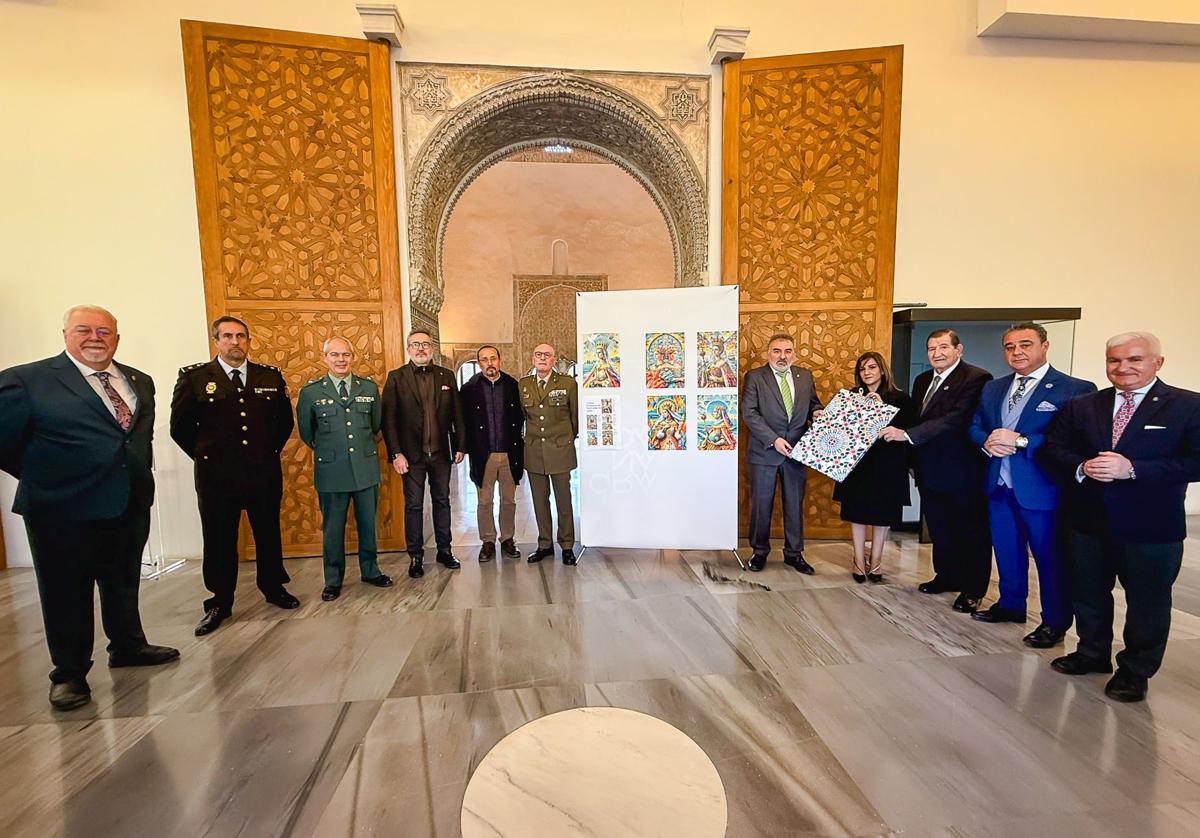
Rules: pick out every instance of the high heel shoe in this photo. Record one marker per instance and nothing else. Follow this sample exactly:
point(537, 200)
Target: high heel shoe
point(858, 577)
point(874, 575)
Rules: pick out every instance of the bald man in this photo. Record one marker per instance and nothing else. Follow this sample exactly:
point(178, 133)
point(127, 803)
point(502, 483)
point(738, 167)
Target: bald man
point(76, 430)
point(550, 402)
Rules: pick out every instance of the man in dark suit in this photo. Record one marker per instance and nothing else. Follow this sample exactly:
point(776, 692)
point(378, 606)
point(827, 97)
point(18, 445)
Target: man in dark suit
point(232, 417)
point(422, 427)
point(76, 431)
point(1125, 456)
point(778, 400)
point(1010, 426)
point(949, 471)
point(493, 424)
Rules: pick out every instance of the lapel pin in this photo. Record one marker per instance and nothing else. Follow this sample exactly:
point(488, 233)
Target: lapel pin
point(1154, 399)
point(1049, 386)
point(210, 387)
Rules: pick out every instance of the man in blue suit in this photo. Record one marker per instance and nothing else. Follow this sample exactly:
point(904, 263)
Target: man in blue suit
point(75, 430)
point(1010, 425)
point(1126, 456)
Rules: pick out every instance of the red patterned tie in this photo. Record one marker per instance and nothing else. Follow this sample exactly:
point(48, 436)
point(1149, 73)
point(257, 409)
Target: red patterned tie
point(124, 414)
point(1124, 414)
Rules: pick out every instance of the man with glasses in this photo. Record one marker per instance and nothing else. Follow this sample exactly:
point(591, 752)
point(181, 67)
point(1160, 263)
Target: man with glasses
point(338, 416)
point(550, 402)
point(75, 430)
point(423, 430)
point(233, 417)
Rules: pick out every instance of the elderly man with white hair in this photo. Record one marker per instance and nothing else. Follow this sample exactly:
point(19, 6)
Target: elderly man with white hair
point(1126, 456)
point(75, 430)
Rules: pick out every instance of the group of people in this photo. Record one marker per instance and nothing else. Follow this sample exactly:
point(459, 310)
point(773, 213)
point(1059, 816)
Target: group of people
point(76, 431)
point(1091, 483)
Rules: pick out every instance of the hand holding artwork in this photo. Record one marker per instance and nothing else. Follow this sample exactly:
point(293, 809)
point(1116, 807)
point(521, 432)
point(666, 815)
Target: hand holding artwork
point(817, 414)
point(892, 434)
point(781, 445)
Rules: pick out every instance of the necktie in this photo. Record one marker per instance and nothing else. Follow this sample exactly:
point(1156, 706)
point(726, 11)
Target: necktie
point(542, 386)
point(342, 391)
point(236, 375)
point(933, 387)
point(785, 388)
point(1124, 414)
point(1019, 393)
point(124, 414)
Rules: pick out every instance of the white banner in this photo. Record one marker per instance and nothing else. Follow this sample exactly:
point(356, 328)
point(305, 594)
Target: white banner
point(658, 418)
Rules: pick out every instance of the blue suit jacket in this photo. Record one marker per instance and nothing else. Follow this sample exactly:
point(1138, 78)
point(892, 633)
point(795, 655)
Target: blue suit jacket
point(1033, 487)
point(1162, 441)
point(73, 460)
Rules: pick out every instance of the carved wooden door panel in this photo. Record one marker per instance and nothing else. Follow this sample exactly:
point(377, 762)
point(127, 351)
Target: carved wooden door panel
point(810, 158)
point(296, 196)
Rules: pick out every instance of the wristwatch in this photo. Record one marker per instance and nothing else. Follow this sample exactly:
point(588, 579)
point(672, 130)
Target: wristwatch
point(1022, 441)
point(1132, 473)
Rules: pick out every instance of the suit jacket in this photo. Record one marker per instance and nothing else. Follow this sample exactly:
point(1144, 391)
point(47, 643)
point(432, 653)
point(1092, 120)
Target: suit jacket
point(234, 438)
point(342, 436)
point(764, 414)
point(1033, 487)
point(73, 461)
point(946, 461)
point(475, 424)
point(551, 423)
point(1162, 440)
point(403, 416)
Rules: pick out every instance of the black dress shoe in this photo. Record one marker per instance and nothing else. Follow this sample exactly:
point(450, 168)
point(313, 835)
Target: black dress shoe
point(487, 552)
point(509, 550)
point(446, 559)
point(380, 581)
point(330, 593)
point(70, 694)
point(875, 578)
point(965, 604)
point(539, 554)
point(757, 563)
point(569, 558)
point(148, 655)
point(858, 577)
point(212, 620)
point(933, 586)
point(282, 599)
point(1078, 664)
point(799, 564)
point(1043, 637)
point(416, 567)
point(996, 614)
point(1125, 686)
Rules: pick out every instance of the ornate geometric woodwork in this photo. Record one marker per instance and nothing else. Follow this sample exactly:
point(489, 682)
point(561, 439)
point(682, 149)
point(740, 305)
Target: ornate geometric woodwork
point(544, 312)
point(810, 159)
point(296, 197)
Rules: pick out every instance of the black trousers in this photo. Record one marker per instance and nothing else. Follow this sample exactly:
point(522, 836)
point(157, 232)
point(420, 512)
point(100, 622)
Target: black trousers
point(1147, 572)
point(220, 515)
point(962, 543)
point(435, 468)
point(71, 559)
point(793, 476)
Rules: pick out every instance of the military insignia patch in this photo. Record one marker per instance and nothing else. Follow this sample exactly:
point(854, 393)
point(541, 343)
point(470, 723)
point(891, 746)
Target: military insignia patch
point(210, 387)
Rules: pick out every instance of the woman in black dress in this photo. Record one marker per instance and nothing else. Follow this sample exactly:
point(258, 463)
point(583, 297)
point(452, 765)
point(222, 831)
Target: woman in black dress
point(876, 491)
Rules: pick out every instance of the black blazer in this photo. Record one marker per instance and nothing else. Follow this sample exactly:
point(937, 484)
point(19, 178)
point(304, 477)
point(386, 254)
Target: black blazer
point(402, 415)
point(1162, 441)
point(71, 457)
point(475, 418)
point(946, 459)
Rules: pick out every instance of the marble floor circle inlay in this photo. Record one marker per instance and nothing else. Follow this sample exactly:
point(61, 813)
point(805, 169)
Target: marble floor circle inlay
point(595, 771)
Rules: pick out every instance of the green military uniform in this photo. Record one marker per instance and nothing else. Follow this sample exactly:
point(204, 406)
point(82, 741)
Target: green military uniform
point(341, 431)
point(551, 426)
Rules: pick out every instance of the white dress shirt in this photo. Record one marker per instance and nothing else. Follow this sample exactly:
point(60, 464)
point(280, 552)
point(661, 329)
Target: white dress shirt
point(115, 377)
point(1138, 395)
point(1037, 376)
point(229, 370)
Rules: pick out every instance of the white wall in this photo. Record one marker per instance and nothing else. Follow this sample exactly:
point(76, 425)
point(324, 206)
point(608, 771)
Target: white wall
point(1032, 172)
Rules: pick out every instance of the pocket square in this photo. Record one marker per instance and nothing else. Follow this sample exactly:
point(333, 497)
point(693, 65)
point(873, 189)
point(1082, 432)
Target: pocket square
point(1155, 428)
point(1046, 407)
point(445, 387)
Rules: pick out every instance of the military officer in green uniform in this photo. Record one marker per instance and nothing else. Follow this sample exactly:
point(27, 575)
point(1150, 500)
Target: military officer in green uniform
point(338, 416)
point(550, 401)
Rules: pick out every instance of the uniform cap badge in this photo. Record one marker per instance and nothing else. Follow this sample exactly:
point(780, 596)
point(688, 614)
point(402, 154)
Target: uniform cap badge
point(210, 387)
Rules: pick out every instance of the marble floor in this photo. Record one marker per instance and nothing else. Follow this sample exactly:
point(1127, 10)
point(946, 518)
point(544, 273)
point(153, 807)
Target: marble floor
point(825, 707)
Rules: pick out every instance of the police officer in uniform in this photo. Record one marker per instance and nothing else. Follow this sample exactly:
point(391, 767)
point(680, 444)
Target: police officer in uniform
point(338, 416)
point(549, 400)
point(232, 417)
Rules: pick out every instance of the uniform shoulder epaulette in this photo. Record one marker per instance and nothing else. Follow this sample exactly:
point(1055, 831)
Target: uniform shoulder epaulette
point(313, 381)
point(191, 367)
point(268, 366)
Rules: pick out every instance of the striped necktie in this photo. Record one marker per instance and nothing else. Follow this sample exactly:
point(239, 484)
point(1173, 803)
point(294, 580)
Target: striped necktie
point(785, 388)
point(1124, 414)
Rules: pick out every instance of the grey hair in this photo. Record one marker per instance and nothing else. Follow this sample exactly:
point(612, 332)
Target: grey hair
point(331, 339)
point(1129, 337)
point(73, 309)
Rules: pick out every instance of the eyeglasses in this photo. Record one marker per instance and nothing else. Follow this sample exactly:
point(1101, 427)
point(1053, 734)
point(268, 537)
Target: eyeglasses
point(420, 344)
point(339, 355)
point(543, 354)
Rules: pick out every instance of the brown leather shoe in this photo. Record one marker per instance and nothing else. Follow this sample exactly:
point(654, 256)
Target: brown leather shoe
point(70, 694)
point(487, 552)
point(509, 550)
